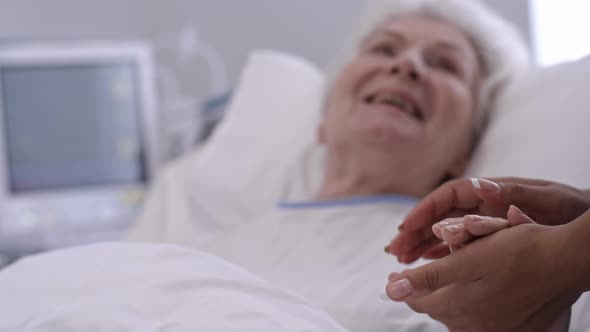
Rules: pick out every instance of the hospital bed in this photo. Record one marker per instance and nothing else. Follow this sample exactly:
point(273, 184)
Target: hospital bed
point(246, 152)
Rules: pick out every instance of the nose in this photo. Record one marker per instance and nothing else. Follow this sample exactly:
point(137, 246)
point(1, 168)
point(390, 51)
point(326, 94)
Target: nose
point(407, 67)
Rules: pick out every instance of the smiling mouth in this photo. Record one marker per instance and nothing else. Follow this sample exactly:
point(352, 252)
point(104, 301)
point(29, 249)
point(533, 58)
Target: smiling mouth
point(399, 102)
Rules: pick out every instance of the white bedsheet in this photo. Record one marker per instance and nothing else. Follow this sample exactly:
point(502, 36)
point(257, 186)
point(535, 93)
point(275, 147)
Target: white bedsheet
point(144, 288)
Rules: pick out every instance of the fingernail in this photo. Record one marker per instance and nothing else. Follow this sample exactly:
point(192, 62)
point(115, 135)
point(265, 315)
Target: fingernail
point(518, 211)
point(386, 249)
point(400, 227)
point(384, 297)
point(453, 229)
point(403, 259)
point(400, 289)
point(475, 217)
point(394, 276)
point(521, 217)
point(439, 225)
point(515, 209)
point(485, 185)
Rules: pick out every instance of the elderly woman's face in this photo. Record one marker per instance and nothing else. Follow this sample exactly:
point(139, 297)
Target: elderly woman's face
point(409, 90)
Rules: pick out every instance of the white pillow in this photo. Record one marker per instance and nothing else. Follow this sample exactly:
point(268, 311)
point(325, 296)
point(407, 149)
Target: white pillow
point(540, 128)
point(271, 118)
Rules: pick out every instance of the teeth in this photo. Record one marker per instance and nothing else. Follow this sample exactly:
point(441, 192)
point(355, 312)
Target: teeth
point(396, 101)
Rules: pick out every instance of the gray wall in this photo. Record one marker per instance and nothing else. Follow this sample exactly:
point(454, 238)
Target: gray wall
point(516, 11)
point(312, 28)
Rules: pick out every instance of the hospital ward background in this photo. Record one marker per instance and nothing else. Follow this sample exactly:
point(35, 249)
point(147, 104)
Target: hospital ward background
point(168, 151)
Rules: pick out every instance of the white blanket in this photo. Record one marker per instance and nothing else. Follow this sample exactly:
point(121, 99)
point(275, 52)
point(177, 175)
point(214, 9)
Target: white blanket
point(138, 287)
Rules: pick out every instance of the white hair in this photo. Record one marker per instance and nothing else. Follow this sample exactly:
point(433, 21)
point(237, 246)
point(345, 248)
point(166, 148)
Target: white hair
point(498, 43)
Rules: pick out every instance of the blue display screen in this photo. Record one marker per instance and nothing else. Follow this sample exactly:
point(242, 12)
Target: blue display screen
point(69, 126)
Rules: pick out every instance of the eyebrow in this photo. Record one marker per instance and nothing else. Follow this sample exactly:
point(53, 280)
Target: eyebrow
point(390, 33)
point(450, 46)
point(393, 33)
point(442, 44)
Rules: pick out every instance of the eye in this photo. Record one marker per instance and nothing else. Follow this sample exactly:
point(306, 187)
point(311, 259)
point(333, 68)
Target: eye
point(443, 63)
point(386, 49)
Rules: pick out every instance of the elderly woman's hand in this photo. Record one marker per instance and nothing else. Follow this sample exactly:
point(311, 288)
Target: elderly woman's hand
point(520, 279)
point(546, 202)
point(458, 232)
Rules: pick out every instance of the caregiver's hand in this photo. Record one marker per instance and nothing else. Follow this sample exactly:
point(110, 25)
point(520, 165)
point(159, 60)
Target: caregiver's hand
point(519, 279)
point(546, 202)
point(459, 232)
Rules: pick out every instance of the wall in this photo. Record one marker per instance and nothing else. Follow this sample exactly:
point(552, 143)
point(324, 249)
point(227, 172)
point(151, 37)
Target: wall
point(310, 28)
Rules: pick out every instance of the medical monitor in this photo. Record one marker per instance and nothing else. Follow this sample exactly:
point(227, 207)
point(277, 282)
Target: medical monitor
point(78, 141)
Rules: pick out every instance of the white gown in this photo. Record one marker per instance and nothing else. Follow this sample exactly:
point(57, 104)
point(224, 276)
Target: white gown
point(332, 254)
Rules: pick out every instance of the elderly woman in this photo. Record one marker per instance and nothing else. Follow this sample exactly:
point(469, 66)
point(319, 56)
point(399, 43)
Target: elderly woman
point(404, 113)
point(406, 101)
point(401, 117)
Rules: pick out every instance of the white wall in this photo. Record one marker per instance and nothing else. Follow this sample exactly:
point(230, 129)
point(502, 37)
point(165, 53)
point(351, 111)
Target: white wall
point(312, 28)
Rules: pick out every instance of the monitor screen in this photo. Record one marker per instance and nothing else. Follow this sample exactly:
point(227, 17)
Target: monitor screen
point(72, 125)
